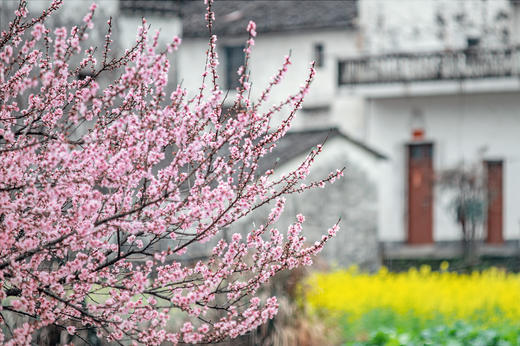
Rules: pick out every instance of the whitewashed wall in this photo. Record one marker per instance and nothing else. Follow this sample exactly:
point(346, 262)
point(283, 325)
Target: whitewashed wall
point(124, 25)
point(516, 24)
point(461, 127)
point(268, 55)
point(76, 8)
point(72, 12)
point(423, 25)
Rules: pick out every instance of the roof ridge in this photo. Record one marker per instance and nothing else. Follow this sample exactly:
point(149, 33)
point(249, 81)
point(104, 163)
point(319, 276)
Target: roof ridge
point(270, 16)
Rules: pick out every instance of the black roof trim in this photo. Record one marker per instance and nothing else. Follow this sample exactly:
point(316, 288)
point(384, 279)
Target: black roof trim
point(296, 143)
point(232, 16)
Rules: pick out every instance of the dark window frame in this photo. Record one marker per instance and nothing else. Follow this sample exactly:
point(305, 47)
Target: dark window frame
point(233, 59)
point(319, 54)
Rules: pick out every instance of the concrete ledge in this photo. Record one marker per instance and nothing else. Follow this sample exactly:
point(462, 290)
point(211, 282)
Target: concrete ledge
point(427, 88)
point(445, 250)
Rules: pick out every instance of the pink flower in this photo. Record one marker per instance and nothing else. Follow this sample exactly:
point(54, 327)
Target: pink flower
point(251, 28)
point(101, 207)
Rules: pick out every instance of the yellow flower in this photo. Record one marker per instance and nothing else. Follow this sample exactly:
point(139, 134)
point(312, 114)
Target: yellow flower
point(444, 266)
point(489, 297)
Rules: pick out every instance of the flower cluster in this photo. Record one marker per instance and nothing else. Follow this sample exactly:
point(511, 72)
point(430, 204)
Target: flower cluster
point(104, 189)
point(489, 297)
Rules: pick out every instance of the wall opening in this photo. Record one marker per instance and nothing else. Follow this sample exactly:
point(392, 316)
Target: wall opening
point(420, 193)
point(494, 170)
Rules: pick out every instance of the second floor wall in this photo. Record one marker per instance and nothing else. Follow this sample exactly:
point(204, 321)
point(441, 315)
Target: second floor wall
point(324, 47)
point(389, 26)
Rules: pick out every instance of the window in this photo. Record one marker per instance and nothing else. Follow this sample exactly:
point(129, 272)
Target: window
point(316, 111)
point(473, 42)
point(421, 152)
point(318, 54)
point(84, 74)
point(472, 55)
point(234, 58)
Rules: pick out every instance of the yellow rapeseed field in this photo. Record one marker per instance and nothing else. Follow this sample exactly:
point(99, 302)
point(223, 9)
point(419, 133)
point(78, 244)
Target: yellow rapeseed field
point(491, 296)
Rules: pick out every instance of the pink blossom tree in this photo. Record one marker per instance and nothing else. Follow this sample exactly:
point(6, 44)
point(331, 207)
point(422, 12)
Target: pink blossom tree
point(89, 198)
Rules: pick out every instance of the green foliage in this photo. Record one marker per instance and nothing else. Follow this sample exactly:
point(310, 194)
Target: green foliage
point(389, 330)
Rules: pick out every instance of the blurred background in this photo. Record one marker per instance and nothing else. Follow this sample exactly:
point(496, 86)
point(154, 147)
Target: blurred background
point(420, 101)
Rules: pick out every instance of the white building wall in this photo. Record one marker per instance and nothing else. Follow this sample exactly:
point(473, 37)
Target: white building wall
point(516, 24)
point(77, 8)
point(169, 27)
point(267, 57)
point(425, 25)
point(124, 26)
point(463, 128)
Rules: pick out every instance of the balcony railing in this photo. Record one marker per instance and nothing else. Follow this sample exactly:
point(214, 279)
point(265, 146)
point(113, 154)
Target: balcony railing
point(446, 65)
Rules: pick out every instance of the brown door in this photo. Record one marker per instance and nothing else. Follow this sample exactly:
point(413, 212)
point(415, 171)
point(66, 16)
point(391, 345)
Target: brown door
point(420, 193)
point(494, 201)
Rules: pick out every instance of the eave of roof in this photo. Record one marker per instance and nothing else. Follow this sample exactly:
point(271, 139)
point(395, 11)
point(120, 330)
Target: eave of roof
point(296, 143)
point(270, 16)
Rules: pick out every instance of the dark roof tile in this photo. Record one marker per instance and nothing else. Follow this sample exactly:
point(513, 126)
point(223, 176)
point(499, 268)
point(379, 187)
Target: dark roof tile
point(270, 16)
point(296, 143)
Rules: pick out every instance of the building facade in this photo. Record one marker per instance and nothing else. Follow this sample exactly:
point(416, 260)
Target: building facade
point(441, 91)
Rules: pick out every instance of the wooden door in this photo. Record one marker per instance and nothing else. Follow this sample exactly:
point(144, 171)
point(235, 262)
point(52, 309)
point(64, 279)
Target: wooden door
point(494, 201)
point(420, 193)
